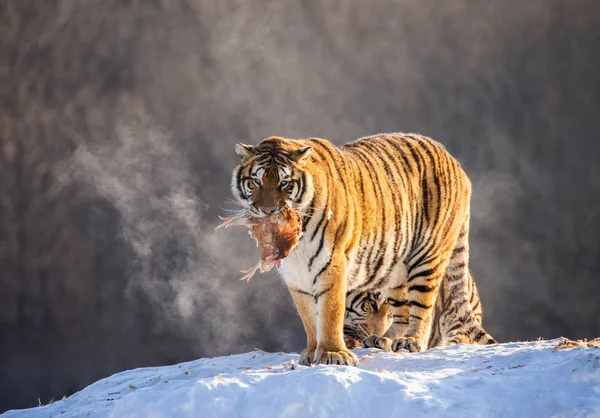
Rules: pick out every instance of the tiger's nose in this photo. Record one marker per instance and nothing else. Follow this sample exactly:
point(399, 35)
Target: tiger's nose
point(269, 211)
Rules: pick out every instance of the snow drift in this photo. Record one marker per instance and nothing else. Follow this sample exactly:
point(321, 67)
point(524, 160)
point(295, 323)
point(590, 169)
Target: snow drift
point(528, 379)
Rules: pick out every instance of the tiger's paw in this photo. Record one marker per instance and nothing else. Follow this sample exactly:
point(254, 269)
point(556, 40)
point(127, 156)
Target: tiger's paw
point(343, 357)
point(407, 343)
point(373, 341)
point(307, 357)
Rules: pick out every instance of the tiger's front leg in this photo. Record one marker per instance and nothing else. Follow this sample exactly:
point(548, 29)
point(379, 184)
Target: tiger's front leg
point(305, 305)
point(330, 297)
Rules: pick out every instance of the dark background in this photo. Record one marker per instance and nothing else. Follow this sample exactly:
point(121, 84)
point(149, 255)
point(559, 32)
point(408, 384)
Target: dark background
point(118, 121)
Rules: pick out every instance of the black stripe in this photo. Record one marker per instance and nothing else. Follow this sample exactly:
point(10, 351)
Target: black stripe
point(340, 230)
point(321, 293)
point(309, 214)
point(421, 260)
point(418, 222)
point(416, 157)
point(397, 303)
point(437, 169)
point(358, 297)
point(479, 335)
point(425, 191)
point(460, 266)
point(457, 250)
point(393, 142)
point(312, 237)
point(319, 248)
point(300, 291)
point(416, 317)
point(424, 273)
point(238, 181)
point(302, 186)
point(321, 271)
point(472, 298)
point(418, 304)
point(327, 196)
point(280, 161)
point(351, 310)
point(421, 288)
point(455, 327)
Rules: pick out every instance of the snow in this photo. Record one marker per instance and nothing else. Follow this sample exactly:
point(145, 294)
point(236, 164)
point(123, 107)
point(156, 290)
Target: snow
point(525, 379)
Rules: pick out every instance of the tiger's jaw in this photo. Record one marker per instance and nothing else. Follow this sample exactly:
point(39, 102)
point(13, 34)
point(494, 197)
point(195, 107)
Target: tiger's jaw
point(258, 212)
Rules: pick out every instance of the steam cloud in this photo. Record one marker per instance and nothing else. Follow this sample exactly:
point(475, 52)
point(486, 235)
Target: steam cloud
point(185, 268)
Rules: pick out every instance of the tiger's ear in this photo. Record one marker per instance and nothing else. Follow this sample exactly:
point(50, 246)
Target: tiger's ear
point(243, 150)
point(302, 154)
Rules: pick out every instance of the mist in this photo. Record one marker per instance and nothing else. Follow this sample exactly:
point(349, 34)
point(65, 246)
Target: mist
point(118, 122)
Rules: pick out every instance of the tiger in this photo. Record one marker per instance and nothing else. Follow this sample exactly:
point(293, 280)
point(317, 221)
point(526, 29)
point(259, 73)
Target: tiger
point(388, 212)
point(368, 314)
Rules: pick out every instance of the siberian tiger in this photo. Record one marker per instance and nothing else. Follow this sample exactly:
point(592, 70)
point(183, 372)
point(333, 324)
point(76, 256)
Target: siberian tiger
point(367, 313)
point(388, 212)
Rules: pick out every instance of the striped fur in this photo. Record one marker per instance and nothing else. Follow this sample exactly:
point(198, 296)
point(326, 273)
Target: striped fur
point(385, 213)
point(365, 316)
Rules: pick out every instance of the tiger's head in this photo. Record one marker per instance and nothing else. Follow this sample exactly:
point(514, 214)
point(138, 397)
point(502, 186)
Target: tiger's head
point(272, 176)
point(366, 313)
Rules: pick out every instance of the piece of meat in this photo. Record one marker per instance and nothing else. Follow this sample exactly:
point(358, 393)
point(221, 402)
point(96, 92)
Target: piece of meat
point(277, 235)
point(352, 342)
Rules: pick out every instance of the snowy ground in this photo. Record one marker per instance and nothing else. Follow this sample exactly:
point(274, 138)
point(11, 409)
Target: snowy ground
point(509, 380)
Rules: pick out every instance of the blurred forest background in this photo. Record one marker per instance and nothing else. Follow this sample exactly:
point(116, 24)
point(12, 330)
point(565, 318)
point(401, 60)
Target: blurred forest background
point(118, 121)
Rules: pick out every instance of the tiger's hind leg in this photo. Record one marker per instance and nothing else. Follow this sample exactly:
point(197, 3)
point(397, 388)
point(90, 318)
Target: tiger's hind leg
point(463, 317)
point(437, 257)
point(422, 286)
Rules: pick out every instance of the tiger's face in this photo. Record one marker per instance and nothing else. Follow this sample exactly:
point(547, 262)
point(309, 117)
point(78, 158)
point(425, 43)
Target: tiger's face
point(272, 176)
point(366, 313)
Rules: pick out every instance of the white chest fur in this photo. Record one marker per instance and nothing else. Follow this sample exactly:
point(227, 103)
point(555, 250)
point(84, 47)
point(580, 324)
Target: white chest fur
point(297, 270)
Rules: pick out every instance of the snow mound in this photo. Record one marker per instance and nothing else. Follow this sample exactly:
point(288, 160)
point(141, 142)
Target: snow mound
point(528, 379)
